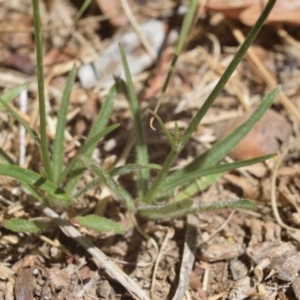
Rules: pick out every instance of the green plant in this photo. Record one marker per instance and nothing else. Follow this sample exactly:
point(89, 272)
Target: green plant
point(164, 185)
point(55, 186)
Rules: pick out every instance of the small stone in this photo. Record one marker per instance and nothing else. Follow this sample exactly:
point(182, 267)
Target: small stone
point(104, 289)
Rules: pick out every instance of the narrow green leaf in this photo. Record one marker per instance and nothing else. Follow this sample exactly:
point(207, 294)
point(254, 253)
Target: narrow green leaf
point(171, 210)
point(221, 148)
point(150, 195)
point(195, 187)
point(34, 179)
point(119, 171)
point(236, 204)
point(82, 9)
point(115, 187)
point(176, 134)
point(98, 126)
point(41, 88)
point(189, 209)
point(185, 30)
point(4, 158)
point(84, 149)
point(130, 168)
point(140, 144)
point(187, 175)
point(103, 117)
point(58, 145)
point(13, 93)
point(164, 129)
point(99, 224)
point(30, 131)
point(228, 72)
point(22, 225)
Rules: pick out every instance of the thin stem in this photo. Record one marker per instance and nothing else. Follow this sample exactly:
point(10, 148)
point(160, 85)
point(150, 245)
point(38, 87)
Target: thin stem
point(41, 90)
point(149, 197)
point(209, 101)
point(227, 74)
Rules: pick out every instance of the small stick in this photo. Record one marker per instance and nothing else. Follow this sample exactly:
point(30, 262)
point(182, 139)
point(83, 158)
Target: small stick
point(169, 235)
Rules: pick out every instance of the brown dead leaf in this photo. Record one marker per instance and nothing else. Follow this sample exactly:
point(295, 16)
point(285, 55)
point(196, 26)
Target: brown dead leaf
point(264, 138)
point(16, 45)
point(248, 11)
point(250, 186)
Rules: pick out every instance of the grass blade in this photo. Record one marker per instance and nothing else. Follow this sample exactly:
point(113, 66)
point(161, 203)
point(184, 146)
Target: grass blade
point(41, 89)
point(4, 158)
point(186, 175)
point(185, 29)
point(196, 187)
point(164, 129)
point(187, 208)
point(119, 171)
point(228, 72)
point(30, 131)
point(109, 182)
point(103, 117)
point(82, 9)
point(223, 147)
point(58, 145)
point(34, 179)
point(98, 126)
point(84, 149)
point(165, 210)
point(130, 168)
point(13, 93)
point(150, 195)
point(235, 204)
point(140, 144)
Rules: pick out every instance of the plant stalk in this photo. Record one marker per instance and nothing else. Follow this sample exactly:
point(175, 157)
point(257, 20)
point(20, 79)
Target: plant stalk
point(41, 89)
point(149, 197)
